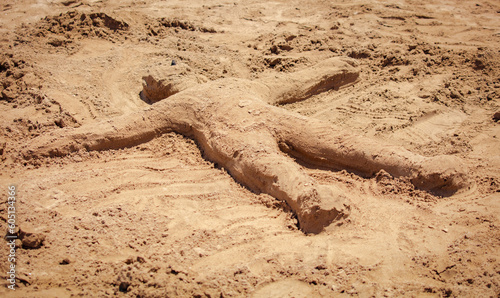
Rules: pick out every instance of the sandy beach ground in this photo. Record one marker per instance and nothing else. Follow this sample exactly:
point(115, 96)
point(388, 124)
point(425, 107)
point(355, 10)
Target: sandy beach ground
point(159, 220)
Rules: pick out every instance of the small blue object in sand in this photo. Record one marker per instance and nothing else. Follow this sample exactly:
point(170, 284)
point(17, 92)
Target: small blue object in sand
point(173, 62)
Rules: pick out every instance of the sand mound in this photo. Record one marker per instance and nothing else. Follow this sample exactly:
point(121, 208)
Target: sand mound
point(76, 24)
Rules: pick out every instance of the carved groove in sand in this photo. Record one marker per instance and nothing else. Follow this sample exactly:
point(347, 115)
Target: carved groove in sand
point(238, 124)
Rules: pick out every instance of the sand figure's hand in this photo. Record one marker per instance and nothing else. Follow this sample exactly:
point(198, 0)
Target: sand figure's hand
point(60, 143)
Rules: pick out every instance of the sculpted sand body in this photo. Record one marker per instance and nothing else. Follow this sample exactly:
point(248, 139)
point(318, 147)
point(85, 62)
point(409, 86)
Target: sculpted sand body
point(239, 125)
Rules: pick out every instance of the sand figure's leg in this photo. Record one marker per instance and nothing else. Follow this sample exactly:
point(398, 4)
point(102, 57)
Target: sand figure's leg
point(262, 167)
point(120, 132)
point(319, 143)
point(316, 206)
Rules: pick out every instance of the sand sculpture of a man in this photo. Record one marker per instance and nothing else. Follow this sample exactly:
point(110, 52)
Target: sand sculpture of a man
point(238, 124)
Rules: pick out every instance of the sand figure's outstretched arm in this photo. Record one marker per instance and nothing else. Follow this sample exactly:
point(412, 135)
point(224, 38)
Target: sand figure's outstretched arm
point(236, 127)
point(330, 74)
point(116, 133)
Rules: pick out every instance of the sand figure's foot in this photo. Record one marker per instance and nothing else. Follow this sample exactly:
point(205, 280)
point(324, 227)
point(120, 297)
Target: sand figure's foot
point(442, 175)
point(321, 207)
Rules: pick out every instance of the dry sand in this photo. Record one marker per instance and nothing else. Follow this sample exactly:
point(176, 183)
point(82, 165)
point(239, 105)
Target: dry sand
point(159, 220)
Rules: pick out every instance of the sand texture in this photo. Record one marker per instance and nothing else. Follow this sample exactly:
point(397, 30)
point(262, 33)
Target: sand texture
point(251, 148)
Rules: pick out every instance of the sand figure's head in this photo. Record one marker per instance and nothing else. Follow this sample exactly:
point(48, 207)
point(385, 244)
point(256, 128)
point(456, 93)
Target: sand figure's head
point(163, 81)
